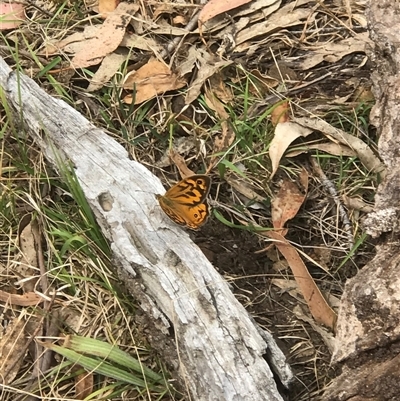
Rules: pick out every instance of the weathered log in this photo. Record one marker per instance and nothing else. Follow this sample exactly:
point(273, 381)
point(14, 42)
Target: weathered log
point(368, 328)
point(221, 349)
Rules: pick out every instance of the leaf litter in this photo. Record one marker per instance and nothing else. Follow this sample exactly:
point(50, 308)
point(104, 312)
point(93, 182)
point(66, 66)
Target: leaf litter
point(286, 46)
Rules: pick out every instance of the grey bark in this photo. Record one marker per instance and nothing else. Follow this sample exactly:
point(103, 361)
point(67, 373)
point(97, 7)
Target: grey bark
point(368, 329)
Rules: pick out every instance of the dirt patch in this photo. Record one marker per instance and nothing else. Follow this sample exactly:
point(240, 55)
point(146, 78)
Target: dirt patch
point(234, 254)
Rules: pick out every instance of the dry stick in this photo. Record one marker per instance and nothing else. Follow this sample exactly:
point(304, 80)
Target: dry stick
point(36, 371)
point(190, 26)
point(43, 357)
point(332, 190)
point(32, 337)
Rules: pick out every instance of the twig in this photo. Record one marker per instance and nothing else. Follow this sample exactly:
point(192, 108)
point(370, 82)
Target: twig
point(190, 26)
point(333, 192)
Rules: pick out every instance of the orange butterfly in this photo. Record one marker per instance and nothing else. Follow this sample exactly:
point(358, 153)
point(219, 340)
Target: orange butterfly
point(185, 203)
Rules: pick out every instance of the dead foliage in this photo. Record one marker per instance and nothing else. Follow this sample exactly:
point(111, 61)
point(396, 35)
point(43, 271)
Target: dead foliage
point(182, 86)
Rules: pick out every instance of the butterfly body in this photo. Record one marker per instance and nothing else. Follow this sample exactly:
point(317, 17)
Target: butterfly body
point(185, 203)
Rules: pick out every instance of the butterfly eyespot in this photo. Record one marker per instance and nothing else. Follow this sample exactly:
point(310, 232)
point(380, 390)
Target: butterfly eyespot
point(185, 203)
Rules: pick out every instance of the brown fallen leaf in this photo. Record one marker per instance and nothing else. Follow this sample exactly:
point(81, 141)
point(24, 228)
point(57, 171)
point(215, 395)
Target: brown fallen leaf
point(187, 65)
point(27, 266)
point(288, 200)
point(254, 11)
point(180, 20)
point(27, 299)
point(220, 89)
point(71, 44)
point(280, 113)
point(108, 68)
point(180, 163)
point(289, 15)
point(11, 15)
point(183, 146)
point(285, 134)
point(244, 188)
point(364, 152)
point(150, 80)
point(326, 335)
point(107, 6)
point(227, 136)
point(208, 65)
point(319, 308)
point(108, 37)
point(336, 149)
point(12, 350)
point(140, 42)
point(216, 7)
point(285, 206)
point(84, 383)
point(357, 204)
point(332, 52)
point(265, 80)
point(161, 9)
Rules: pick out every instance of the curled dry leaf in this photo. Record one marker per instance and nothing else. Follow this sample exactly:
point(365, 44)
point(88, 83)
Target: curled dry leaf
point(163, 9)
point(208, 65)
point(364, 152)
point(188, 64)
point(336, 149)
point(244, 188)
point(150, 80)
point(227, 136)
point(332, 52)
point(265, 80)
point(180, 20)
point(285, 16)
point(285, 134)
point(357, 204)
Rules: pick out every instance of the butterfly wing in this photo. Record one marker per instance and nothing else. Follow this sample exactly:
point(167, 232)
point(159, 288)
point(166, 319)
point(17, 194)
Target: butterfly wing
point(186, 202)
point(190, 191)
point(184, 215)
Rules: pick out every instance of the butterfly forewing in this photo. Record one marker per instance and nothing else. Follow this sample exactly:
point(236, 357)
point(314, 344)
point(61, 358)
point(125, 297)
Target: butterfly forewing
point(190, 191)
